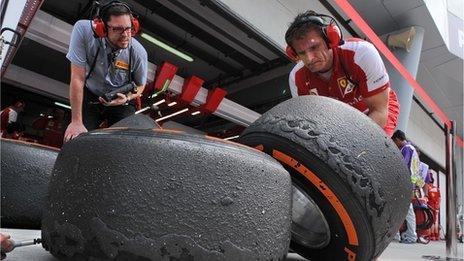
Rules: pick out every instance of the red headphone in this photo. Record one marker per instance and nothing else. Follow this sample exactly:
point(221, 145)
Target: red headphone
point(330, 30)
point(99, 26)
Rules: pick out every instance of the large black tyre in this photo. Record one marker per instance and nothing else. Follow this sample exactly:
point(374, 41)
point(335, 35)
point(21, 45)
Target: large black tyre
point(345, 164)
point(25, 172)
point(137, 121)
point(125, 194)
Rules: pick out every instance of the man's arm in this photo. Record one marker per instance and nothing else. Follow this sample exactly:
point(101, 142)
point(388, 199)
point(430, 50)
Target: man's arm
point(123, 98)
point(76, 94)
point(132, 96)
point(140, 73)
point(378, 107)
point(292, 79)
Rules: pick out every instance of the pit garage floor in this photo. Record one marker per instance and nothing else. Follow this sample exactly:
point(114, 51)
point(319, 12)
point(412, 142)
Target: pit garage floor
point(395, 251)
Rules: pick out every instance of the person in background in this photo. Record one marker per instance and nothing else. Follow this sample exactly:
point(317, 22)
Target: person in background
point(424, 170)
point(11, 125)
point(411, 159)
point(104, 57)
point(348, 70)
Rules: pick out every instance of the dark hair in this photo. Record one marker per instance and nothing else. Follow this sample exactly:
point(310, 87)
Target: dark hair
point(114, 8)
point(17, 102)
point(304, 23)
point(431, 179)
point(399, 134)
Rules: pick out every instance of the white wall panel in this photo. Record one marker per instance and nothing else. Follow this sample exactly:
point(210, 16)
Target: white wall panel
point(11, 19)
point(272, 17)
point(425, 133)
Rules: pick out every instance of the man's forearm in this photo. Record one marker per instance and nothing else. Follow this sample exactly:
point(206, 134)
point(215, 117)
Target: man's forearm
point(76, 93)
point(379, 116)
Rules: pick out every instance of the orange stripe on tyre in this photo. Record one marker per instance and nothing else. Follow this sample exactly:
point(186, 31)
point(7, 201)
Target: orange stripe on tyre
point(325, 190)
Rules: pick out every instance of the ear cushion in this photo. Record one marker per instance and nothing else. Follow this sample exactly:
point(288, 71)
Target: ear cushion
point(135, 26)
point(333, 34)
point(291, 53)
point(99, 28)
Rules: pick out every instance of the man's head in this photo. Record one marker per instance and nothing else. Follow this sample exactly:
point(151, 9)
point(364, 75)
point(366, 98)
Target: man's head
point(307, 38)
point(399, 138)
point(19, 106)
point(118, 22)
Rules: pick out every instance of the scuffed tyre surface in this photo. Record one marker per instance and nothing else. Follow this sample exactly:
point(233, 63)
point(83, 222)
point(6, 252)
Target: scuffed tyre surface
point(137, 121)
point(346, 164)
point(25, 173)
point(162, 195)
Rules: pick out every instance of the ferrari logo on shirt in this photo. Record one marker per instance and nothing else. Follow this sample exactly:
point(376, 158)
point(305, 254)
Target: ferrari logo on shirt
point(345, 85)
point(121, 65)
point(342, 82)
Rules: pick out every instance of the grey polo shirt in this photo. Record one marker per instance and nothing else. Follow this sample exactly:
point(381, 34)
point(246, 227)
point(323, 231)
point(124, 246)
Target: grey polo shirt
point(111, 67)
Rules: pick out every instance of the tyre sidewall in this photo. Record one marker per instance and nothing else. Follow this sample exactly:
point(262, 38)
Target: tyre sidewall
point(339, 247)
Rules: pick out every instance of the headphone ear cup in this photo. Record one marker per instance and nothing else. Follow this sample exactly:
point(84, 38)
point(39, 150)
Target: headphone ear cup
point(135, 26)
point(333, 34)
point(291, 53)
point(99, 27)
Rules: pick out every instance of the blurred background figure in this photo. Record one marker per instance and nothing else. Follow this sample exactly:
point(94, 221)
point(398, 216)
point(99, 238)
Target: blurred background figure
point(11, 125)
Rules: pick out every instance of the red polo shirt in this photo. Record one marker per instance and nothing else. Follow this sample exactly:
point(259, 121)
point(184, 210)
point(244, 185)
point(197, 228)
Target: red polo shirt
point(358, 73)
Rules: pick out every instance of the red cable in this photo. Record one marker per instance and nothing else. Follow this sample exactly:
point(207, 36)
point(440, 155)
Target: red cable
point(366, 29)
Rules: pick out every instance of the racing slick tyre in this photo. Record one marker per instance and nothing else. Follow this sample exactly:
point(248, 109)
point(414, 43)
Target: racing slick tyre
point(131, 194)
point(25, 173)
point(137, 121)
point(351, 188)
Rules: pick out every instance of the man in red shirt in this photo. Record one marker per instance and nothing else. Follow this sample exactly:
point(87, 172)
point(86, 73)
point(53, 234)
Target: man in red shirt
point(347, 70)
point(10, 126)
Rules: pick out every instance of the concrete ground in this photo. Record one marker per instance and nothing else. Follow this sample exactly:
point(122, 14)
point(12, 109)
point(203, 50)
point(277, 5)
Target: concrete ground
point(394, 252)
point(435, 250)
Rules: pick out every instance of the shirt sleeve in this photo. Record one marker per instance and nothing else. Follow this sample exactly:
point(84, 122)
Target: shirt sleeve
point(374, 76)
point(13, 116)
point(76, 52)
point(407, 155)
point(141, 67)
point(292, 85)
point(292, 79)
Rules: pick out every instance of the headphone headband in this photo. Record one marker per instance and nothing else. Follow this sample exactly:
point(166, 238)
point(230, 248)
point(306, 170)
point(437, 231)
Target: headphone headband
point(102, 11)
point(99, 25)
point(330, 30)
point(315, 19)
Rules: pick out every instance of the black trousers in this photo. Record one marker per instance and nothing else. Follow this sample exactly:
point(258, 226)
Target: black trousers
point(94, 113)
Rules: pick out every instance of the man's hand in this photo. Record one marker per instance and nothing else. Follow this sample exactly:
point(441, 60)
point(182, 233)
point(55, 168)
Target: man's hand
point(73, 130)
point(122, 99)
point(6, 244)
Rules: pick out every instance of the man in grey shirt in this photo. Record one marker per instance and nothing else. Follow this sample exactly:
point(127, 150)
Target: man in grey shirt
point(104, 57)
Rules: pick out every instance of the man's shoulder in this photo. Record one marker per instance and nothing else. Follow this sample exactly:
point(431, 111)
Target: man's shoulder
point(138, 48)
point(356, 46)
point(84, 25)
point(297, 68)
point(409, 147)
